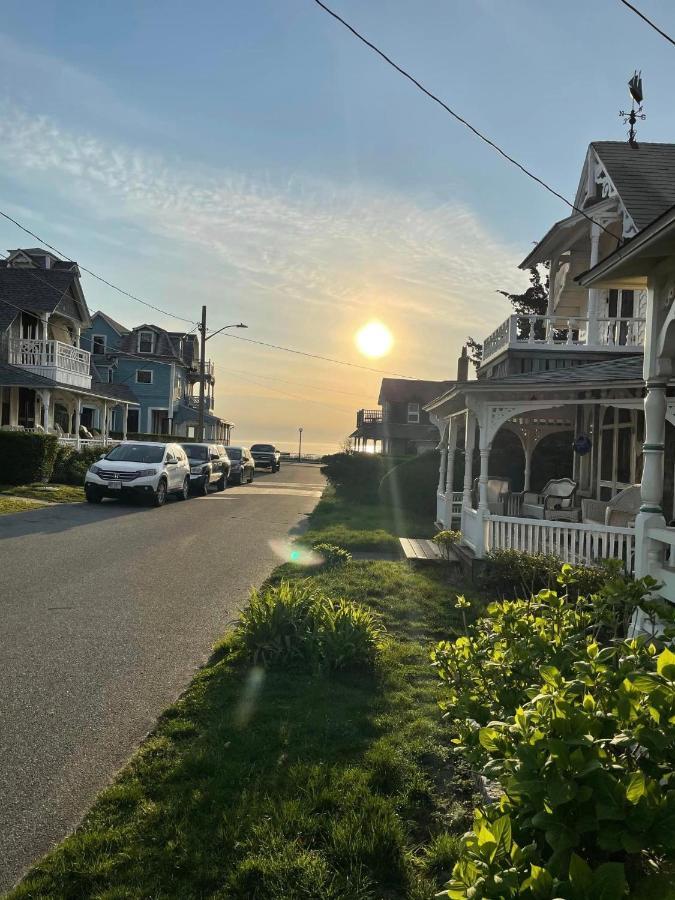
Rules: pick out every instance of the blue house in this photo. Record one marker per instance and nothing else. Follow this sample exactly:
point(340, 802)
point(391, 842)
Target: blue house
point(162, 369)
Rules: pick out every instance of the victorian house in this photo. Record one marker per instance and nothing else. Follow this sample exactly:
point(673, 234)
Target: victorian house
point(595, 371)
point(47, 375)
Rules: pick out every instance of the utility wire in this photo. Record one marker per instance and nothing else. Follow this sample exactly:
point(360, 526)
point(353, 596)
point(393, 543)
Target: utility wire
point(648, 21)
point(93, 274)
point(456, 115)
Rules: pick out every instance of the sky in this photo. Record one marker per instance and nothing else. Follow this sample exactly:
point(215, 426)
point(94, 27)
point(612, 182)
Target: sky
point(256, 158)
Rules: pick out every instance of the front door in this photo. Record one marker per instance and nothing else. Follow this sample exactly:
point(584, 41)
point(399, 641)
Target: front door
point(159, 423)
point(27, 407)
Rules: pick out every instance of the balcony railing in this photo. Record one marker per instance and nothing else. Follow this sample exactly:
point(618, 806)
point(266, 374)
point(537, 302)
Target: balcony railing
point(52, 359)
point(577, 332)
point(368, 417)
point(193, 402)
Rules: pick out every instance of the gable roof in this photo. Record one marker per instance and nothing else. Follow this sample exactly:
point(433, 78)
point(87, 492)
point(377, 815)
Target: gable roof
point(164, 346)
point(32, 291)
point(120, 329)
point(402, 390)
point(644, 176)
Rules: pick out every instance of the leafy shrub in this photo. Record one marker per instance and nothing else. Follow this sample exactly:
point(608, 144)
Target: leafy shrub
point(513, 573)
point(578, 729)
point(332, 556)
point(412, 484)
point(26, 457)
point(356, 476)
point(70, 465)
point(294, 624)
point(446, 540)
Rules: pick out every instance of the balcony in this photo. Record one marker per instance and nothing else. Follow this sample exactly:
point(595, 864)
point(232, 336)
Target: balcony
point(562, 332)
point(52, 359)
point(193, 402)
point(368, 417)
point(209, 371)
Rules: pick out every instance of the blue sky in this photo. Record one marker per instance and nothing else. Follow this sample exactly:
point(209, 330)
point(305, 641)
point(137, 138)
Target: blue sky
point(254, 156)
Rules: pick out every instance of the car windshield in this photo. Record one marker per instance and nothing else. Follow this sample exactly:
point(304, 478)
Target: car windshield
point(140, 453)
point(195, 451)
point(234, 452)
point(264, 448)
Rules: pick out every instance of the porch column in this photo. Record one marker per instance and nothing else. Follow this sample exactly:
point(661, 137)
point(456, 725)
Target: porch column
point(647, 552)
point(483, 477)
point(125, 417)
point(443, 468)
point(528, 449)
point(469, 443)
point(551, 285)
point(105, 422)
point(593, 294)
point(78, 416)
point(450, 470)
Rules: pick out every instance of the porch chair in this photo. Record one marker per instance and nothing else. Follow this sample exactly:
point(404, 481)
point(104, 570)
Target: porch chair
point(556, 500)
point(498, 490)
point(621, 510)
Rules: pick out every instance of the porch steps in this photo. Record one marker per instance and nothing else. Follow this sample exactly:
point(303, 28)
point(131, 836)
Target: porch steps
point(422, 550)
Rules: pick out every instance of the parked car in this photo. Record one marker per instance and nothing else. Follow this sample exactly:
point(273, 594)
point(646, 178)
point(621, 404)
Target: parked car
point(209, 464)
point(267, 456)
point(141, 468)
point(242, 464)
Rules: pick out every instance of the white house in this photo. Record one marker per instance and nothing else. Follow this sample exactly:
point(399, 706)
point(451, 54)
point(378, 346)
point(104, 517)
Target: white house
point(597, 366)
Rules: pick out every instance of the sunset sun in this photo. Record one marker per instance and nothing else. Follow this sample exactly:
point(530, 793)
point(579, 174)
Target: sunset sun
point(374, 339)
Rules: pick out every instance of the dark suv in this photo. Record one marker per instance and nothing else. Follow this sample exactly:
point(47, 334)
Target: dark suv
point(266, 456)
point(209, 464)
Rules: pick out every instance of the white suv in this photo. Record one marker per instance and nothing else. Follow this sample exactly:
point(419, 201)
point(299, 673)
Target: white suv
point(144, 468)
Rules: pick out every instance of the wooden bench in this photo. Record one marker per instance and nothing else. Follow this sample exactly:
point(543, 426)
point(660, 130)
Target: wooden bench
point(422, 550)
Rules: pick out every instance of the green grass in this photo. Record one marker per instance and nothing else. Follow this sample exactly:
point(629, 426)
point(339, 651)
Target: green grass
point(280, 785)
point(47, 493)
point(363, 527)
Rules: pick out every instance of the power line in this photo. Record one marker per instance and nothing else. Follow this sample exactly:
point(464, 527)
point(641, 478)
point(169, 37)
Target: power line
point(456, 115)
point(94, 274)
point(340, 362)
point(648, 21)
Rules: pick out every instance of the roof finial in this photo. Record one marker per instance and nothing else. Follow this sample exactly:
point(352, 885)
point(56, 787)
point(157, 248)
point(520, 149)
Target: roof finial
point(630, 118)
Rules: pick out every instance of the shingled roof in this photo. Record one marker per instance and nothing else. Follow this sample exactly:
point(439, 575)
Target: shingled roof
point(164, 346)
point(644, 176)
point(31, 290)
point(408, 390)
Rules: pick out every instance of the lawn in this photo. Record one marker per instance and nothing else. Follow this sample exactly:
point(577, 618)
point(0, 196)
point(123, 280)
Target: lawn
point(282, 785)
point(18, 498)
point(364, 527)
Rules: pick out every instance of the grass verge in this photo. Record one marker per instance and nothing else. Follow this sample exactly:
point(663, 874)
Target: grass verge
point(258, 785)
point(363, 527)
point(18, 497)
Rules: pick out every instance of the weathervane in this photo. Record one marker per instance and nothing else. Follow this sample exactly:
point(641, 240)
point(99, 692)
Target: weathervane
point(630, 118)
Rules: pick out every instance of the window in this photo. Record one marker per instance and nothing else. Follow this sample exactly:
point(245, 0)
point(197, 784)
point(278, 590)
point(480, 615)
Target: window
point(146, 342)
point(98, 343)
point(413, 413)
point(143, 376)
point(618, 451)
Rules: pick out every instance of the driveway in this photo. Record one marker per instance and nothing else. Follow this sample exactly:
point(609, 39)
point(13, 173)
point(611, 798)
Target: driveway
point(105, 613)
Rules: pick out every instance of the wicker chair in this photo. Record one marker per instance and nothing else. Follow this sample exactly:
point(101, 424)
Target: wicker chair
point(620, 510)
point(557, 496)
point(498, 489)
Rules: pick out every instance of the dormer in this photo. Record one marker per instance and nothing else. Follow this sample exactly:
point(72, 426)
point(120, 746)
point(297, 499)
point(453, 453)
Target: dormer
point(146, 340)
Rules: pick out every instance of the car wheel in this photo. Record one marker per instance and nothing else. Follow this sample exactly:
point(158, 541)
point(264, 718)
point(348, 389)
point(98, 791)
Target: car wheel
point(251, 476)
point(159, 497)
point(241, 478)
point(92, 494)
point(184, 492)
point(204, 486)
point(220, 484)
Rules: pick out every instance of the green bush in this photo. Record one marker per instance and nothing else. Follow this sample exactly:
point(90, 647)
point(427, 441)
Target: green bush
point(446, 540)
point(70, 465)
point(331, 555)
point(26, 457)
point(412, 484)
point(357, 476)
point(293, 624)
point(513, 573)
point(577, 727)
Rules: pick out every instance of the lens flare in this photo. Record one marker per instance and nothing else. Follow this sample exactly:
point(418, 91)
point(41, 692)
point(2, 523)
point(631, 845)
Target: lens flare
point(374, 339)
point(295, 553)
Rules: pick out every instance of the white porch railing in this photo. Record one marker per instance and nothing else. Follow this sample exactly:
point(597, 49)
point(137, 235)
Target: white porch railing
point(626, 334)
point(78, 443)
point(455, 511)
point(53, 359)
point(571, 542)
point(665, 572)
point(472, 527)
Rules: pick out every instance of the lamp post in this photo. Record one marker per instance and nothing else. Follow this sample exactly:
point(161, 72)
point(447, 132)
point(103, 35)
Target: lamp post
point(202, 367)
point(299, 443)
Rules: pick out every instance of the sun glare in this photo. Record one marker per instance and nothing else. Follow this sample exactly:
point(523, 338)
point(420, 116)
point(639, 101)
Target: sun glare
point(374, 339)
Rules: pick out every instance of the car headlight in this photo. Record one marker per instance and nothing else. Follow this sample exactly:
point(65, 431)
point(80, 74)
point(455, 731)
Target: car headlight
point(195, 470)
point(146, 473)
point(94, 470)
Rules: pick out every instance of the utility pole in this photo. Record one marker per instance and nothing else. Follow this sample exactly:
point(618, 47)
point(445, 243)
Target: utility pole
point(300, 444)
point(202, 367)
point(202, 376)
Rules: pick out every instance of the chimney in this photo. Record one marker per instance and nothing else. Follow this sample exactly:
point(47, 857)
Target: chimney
point(463, 366)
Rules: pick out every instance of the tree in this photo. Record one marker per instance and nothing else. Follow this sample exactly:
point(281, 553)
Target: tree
point(532, 302)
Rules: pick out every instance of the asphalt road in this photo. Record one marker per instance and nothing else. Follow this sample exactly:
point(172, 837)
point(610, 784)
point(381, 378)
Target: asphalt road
point(105, 613)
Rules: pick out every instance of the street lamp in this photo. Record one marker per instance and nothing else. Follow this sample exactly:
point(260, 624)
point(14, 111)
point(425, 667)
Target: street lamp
point(202, 367)
point(300, 444)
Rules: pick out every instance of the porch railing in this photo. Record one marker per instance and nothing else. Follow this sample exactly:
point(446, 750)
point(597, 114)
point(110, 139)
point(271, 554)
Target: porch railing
point(33, 354)
point(571, 542)
point(565, 331)
point(455, 517)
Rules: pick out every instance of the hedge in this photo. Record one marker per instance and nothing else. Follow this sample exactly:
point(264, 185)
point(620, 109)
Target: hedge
point(412, 484)
point(70, 465)
point(26, 457)
point(357, 476)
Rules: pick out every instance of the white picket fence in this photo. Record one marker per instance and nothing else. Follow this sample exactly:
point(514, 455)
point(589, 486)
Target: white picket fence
point(571, 542)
